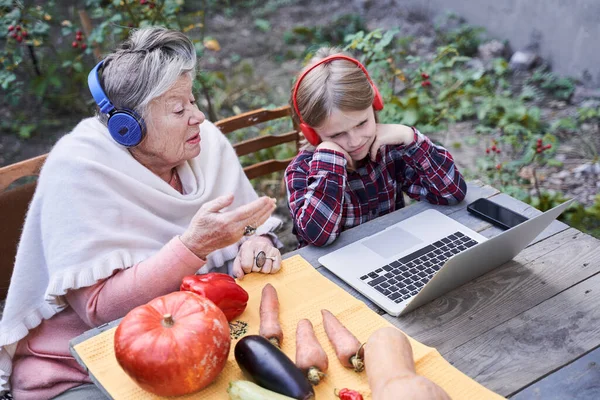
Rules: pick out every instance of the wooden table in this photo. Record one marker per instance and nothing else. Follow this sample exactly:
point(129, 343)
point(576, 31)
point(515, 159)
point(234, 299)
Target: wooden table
point(529, 329)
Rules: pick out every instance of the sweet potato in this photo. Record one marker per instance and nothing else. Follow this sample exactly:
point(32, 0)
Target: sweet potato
point(310, 356)
point(347, 347)
point(269, 316)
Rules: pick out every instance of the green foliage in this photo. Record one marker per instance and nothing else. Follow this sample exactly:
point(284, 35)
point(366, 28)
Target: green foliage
point(559, 87)
point(262, 24)
point(586, 219)
point(373, 45)
point(39, 70)
point(465, 38)
point(331, 34)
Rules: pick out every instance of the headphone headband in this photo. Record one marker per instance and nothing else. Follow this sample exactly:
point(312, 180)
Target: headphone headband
point(106, 107)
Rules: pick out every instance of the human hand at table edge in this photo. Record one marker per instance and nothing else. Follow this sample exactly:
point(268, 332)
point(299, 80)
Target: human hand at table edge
point(249, 258)
point(391, 369)
point(212, 228)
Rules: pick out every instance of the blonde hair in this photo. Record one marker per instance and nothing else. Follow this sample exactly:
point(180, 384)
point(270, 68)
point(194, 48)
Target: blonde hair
point(335, 85)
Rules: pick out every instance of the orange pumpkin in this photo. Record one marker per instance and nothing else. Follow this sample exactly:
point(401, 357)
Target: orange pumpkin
point(176, 344)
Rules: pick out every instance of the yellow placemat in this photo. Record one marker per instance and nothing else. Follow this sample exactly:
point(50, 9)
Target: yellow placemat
point(302, 292)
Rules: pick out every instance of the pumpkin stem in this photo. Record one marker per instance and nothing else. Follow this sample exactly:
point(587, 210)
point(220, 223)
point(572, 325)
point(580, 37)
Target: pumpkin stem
point(168, 320)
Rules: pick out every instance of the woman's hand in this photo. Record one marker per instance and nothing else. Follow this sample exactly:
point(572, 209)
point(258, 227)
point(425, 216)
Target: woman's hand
point(391, 134)
point(245, 262)
point(336, 147)
point(212, 229)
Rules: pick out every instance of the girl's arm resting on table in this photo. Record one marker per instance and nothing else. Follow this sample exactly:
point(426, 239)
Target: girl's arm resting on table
point(118, 294)
point(431, 173)
point(315, 195)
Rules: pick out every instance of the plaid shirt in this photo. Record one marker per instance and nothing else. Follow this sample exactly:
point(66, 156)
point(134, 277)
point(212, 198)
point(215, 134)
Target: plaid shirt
point(326, 199)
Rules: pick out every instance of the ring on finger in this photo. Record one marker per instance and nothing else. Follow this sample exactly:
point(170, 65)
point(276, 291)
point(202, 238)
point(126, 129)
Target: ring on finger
point(249, 230)
point(261, 258)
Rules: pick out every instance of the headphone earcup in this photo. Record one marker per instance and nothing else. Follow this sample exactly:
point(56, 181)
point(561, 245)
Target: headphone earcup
point(377, 100)
point(126, 127)
point(310, 134)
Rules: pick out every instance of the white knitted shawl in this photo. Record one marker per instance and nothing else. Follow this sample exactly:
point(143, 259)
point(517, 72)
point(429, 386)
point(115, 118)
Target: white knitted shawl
point(97, 210)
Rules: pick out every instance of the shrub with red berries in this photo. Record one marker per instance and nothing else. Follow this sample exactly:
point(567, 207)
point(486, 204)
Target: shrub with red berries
point(540, 147)
point(79, 41)
point(150, 4)
point(426, 82)
point(493, 148)
point(17, 32)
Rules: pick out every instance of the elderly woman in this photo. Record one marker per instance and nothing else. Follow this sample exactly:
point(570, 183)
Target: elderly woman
point(127, 204)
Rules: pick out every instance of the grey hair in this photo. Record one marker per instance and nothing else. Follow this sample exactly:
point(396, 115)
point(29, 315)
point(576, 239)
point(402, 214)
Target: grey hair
point(335, 85)
point(145, 66)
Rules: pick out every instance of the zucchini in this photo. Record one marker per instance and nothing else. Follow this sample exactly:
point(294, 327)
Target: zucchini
point(246, 390)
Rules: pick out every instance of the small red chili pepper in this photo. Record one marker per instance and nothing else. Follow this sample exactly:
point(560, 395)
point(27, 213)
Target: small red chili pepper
point(349, 394)
point(219, 288)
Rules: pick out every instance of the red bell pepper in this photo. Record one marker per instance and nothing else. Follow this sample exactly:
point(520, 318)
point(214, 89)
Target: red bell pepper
point(219, 288)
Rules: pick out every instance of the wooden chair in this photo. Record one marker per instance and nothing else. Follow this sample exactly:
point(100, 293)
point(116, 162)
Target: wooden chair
point(13, 207)
point(14, 202)
point(254, 145)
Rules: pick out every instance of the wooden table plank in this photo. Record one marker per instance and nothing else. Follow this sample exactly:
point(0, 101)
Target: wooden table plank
point(537, 274)
point(535, 343)
point(579, 380)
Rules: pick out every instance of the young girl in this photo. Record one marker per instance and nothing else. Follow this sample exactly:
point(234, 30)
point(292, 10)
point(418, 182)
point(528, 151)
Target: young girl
point(355, 169)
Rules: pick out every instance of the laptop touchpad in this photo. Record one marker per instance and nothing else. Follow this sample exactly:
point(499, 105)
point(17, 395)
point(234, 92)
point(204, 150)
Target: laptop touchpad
point(392, 241)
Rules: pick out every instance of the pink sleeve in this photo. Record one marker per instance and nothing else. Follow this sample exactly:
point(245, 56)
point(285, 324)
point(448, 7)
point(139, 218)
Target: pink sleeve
point(115, 296)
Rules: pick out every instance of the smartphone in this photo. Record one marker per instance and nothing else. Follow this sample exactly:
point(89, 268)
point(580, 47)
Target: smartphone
point(496, 214)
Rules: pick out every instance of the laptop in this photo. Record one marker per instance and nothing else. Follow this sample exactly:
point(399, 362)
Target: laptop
point(425, 256)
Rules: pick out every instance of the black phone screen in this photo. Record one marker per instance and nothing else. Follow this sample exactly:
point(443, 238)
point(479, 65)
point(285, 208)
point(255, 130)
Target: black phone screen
point(495, 213)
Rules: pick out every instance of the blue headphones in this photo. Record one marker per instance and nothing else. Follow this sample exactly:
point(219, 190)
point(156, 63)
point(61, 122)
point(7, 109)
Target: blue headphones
point(125, 126)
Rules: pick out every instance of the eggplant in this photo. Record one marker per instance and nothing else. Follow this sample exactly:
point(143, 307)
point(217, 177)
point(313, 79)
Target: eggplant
point(270, 368)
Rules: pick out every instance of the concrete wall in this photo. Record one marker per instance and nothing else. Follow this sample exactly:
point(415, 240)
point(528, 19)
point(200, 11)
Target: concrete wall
point(567, 31)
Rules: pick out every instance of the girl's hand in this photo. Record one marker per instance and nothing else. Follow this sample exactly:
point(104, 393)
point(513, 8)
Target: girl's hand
point(245, 262)
point(391, 134)
point(212, 228)
point(333, 146)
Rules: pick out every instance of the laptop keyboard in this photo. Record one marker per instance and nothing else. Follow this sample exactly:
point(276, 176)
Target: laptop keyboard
point(403, 278)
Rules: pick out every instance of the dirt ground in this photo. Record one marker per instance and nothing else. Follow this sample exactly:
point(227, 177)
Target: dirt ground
point(264, 53)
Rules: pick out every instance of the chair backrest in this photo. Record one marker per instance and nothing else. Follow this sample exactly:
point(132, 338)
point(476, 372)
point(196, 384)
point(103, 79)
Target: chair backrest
point(14, 203)
point(253, 145)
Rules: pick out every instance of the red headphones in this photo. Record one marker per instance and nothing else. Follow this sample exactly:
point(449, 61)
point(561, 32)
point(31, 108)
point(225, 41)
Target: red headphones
point(309, 133)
